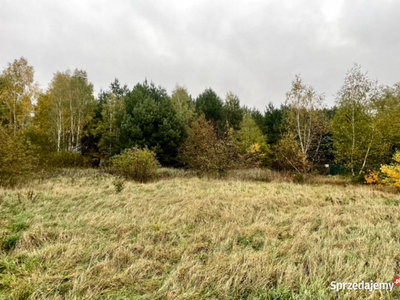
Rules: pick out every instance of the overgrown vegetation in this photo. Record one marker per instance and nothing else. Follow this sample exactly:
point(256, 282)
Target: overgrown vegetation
point(391, 173)
point(246, 231)
point(196, 238)
point(387, 175)
point(305, 126)
point(138, 164)
point(67, 126)
point(17, 159)
point(252, 144)
point(204, 152)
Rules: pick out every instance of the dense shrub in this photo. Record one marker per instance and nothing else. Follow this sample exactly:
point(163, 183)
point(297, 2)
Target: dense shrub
point(65, 159)
point(205, 153)
point(253, 157)
point(392, 172)
point(137, 164)
point(17, 159)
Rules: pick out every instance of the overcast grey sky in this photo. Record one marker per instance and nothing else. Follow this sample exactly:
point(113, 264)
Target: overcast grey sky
point(252, 48)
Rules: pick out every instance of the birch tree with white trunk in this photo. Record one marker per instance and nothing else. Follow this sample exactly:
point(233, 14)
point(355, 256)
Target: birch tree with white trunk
point(305, 125)
point(19, 92)
point(357, 126)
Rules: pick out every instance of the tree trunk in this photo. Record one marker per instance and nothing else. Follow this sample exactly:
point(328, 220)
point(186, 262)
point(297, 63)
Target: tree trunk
point(14, 119)
point(353, 141)
point(72, 122)
point(367, 153)
point(59, 132)
point(78, 132)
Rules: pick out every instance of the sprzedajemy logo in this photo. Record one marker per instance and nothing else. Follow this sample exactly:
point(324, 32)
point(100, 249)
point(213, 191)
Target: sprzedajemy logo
point(365, 285)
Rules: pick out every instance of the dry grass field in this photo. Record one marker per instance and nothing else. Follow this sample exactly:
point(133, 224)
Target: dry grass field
point(183, 237)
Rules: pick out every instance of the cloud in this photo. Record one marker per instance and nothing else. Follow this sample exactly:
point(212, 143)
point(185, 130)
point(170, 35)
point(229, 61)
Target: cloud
point(252, 48)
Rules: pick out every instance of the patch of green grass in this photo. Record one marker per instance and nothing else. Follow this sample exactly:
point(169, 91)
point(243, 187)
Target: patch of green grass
point(10, 241)
point(19, 226)
point(392, 202)
point(253, 241)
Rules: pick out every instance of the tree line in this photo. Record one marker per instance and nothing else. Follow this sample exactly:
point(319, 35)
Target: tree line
point(67, 125)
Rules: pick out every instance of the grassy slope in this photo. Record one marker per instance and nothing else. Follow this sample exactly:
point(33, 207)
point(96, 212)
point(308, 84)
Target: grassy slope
point(191, 238)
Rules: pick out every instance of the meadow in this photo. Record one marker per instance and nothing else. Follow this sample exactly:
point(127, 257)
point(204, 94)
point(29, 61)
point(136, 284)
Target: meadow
point(251, 235)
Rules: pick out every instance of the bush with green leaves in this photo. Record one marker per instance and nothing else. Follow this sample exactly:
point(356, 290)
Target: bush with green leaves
point(134, 163)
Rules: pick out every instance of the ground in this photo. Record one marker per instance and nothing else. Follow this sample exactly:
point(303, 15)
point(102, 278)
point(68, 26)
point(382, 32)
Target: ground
point(74, 237)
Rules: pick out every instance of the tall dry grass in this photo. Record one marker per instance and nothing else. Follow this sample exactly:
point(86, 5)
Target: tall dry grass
point(74, 237)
